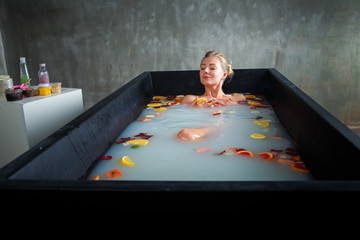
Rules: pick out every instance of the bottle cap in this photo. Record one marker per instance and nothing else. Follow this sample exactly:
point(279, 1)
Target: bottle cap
point(22, 60)
point(42, 64)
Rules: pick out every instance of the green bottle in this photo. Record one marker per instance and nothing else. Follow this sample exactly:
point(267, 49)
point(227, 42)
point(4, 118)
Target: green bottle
point(24, 75)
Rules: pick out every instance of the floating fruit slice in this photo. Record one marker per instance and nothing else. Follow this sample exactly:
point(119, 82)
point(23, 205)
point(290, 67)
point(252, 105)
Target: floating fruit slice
point(160, 109)
point(266, 156)
point(217, 113)
point(262, 105)
point(245, 153)
point(257, 136)
point(285, 161)
point(144, 119)
point(250, 96)
point(230, 112)
point(158, 97)
point(106, 157)
point(278, 137)
point(202, 150)
point(299, 166)
point(173, 103)
point(200, 100)
point(154, 105)
point(253, 102)
point(113, 173)
point(262, 123)
point(96, 178)
point(141, 142)
point(125, 160)
point(178, 98)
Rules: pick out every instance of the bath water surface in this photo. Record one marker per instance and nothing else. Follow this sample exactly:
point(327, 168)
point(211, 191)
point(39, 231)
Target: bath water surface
point(213, 158)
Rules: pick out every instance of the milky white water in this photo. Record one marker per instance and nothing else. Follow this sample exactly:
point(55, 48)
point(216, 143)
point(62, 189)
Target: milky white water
point(167, 158)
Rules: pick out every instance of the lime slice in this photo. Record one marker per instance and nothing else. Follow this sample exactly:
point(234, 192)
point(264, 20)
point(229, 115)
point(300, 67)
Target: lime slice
point(257, 136)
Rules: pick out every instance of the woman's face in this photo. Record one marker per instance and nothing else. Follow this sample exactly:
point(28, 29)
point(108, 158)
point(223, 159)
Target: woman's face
point(211, 72)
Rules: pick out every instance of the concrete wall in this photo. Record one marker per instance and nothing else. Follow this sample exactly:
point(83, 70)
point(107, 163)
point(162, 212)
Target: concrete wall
point(98, 45)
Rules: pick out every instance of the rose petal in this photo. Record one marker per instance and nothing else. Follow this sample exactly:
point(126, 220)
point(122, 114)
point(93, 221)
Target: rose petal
point(106, 157)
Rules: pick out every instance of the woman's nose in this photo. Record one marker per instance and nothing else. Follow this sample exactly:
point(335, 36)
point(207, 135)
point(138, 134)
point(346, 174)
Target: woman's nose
point(206, 70)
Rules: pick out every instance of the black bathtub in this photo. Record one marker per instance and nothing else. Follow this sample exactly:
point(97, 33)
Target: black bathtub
point(59, 164)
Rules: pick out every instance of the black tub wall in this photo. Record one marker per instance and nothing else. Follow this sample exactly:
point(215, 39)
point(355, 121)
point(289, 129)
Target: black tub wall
point(329, 149)
point(188, 82)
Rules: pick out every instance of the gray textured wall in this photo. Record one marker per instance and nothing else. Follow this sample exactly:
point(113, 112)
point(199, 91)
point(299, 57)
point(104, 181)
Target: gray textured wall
point(98, 45)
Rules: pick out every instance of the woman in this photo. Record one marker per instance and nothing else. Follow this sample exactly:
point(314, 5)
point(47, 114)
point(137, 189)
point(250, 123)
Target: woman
point(214, 70)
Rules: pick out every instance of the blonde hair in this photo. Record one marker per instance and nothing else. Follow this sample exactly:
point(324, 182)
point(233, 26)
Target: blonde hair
point(226, 66)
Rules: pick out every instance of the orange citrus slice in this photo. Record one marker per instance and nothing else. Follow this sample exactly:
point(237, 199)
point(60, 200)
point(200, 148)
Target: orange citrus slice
point(245, 153)
point(96, 178)
point(113, 173)
point(266, 156)
point(125, 160)
point(262, 123)
point(200, 100)
point(141, 142)
point(144, 119)
point(257, 136)
point(299, 166)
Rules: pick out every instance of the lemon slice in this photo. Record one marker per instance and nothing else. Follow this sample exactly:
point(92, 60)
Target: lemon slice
point(140, 142)
point(125, 160)
point(262, 123)
point(250, 96)
point(154, 105)
point(160, 109)
point(252, 102)
point(257, 136)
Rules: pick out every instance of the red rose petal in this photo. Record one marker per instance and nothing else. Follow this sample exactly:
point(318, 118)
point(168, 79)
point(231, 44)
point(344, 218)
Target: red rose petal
point(106, 157)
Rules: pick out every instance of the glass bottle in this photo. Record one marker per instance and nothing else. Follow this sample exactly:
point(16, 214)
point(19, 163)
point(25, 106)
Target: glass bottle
point(43, 75)
point(24, 74)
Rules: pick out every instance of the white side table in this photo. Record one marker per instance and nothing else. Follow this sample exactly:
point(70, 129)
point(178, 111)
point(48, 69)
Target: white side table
point(26, 122)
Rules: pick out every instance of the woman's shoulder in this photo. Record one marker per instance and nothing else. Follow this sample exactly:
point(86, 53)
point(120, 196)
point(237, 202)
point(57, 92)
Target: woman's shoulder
point(188, 99)
point(237, 97)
